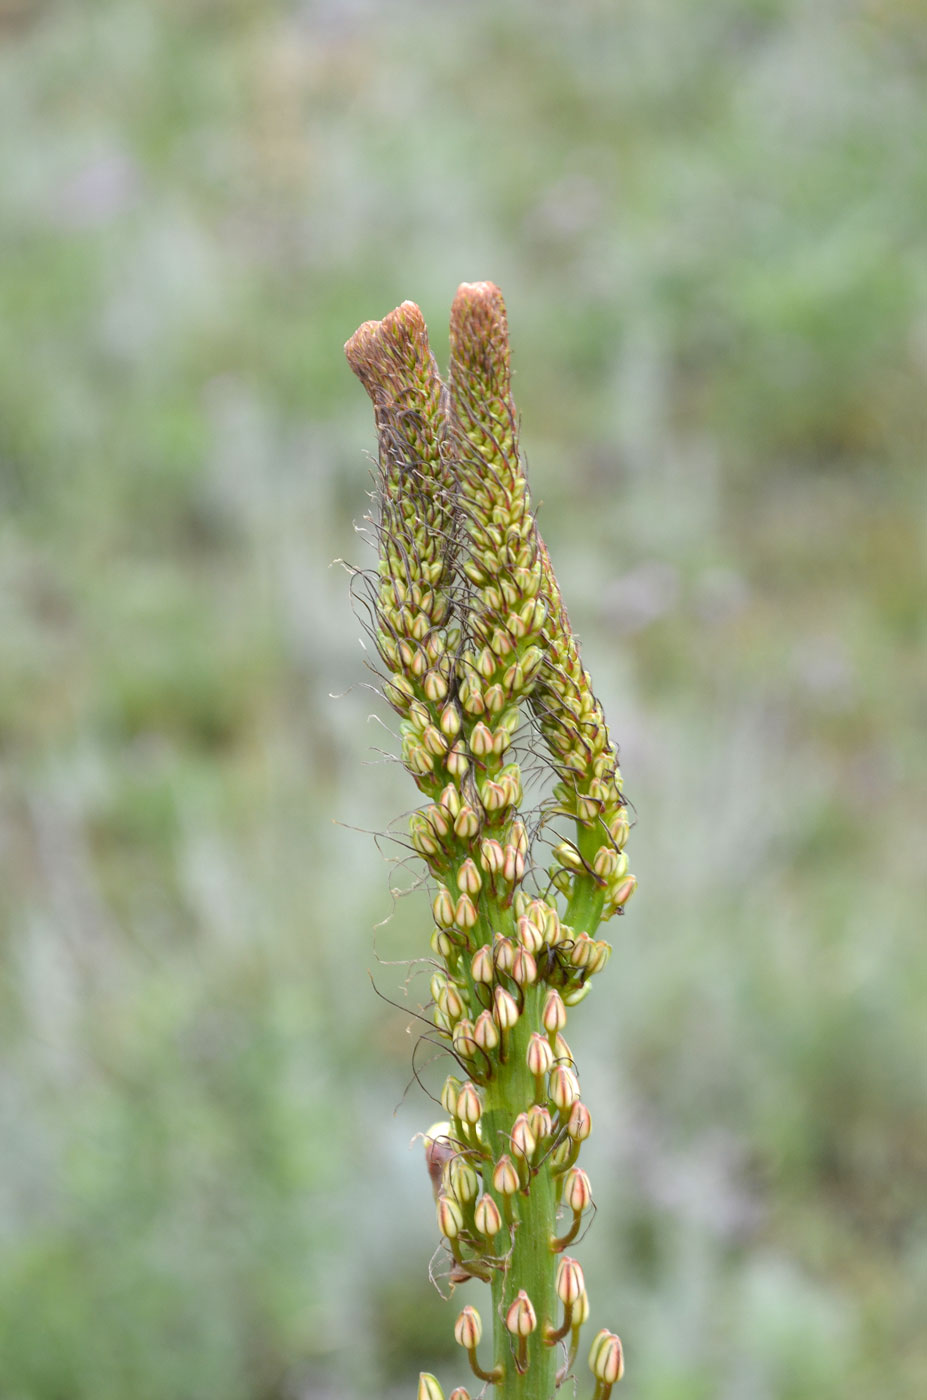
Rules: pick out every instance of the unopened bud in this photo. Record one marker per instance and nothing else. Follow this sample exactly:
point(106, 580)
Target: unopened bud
point(469, 1106)
point(577, 994)
point(599, 957)
point(485, 1031)
point(463, 1180)
point(428, 1387)
point(539, 1121)
point(459, 1393)
point(449, 1216)
point(505, 1009)
point(606, 1359)
point(468, 1329)
point(466, 823)
point(481, 740)
point(443, 908)
point(577, 1193)
point(469, 880)
point(529, 936)
point(521, 1319)
point(482, 965)
point(539, 1056)
point(523, 1140)
point(554, 1016)
point(569, 856)
point(503, 952)
point(450, 721)
point(465, 914)
point(564, 1087)
point(524, 968)
point(463, 1040)
point(579, 1123)
point(486, 1217)
point(449, 1094)
point(570, 1282)
point(623, 893)
point(513, 868)
point(505, 1178)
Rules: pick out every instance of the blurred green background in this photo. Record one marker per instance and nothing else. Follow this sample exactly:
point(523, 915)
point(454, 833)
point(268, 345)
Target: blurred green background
point(709, 224)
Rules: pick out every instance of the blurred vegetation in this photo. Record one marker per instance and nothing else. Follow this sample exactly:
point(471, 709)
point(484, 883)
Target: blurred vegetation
point(708, 222)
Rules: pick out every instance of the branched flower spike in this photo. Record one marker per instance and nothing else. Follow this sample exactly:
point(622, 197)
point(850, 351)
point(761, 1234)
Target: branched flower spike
point(474, 638)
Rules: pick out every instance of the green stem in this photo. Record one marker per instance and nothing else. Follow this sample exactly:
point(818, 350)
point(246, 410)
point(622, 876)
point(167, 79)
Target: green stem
point(532, 1264)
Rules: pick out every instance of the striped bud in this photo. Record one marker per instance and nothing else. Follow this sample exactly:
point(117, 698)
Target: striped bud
point(449, 1217)
point(463, 1040)
point(524, 968)
point(459, 1393)
point(554, 1015)
point(441, 943)
point(599, 957)
point(577, 1193)
point(569, 856)
point(518, 836)
point(570, 1282)
point(463, 1180)
point(434, 687)
point(469, 1105)
point(492, 856)
point(503, 953)
point(581, 1310)
point(606, 1359)
point(434, 741)
point(450, 721)
point(529, 935)
point(468, 1329)
point(521, 1319)
point(523, 1140)
point(505, 1011)
point(605, 862)
point(465, 915)
point(481, 740)
point(623, 893)
point(443, 908)
point(563, 1088)
point(539, 1121)
point(466, 823)
point(457, 761)
point(505, 1178)
point(482, 965)
point(579, 1123)
point(583, 947)
point(449, 1094)
point(485, 1031)
point(428, 1387)
point(539, 1056)
point(486, 1217)
point(469, 880)
point(452, 1004)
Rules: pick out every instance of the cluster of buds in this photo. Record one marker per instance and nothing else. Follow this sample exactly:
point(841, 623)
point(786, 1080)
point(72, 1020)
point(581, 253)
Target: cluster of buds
point(469, 623)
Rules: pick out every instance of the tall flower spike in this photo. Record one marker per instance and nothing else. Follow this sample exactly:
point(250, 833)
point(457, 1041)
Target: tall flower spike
point(469, 622)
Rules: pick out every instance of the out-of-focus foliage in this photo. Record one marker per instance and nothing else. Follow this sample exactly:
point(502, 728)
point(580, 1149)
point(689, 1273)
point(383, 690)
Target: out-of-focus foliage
point(708, 221)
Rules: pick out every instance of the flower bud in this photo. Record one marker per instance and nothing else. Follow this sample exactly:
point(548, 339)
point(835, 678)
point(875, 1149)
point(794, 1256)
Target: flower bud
point(529, 936)
point(621, 896)
point(495, 699)
point(481, 740)
point(450, 721)
point(605, 862)
point(482, 965)
point(434, 687)
point(521, 1319)
point(506, 1011)
point(562, 1051)
point(469, 880)
point(539, 1121)
point(450, 799)
point(577, 994)
point(523, 1140)
point(569, 856)
point(577, 1193)
point(463, 1040)
point(449, 1216)
point(462, 1179)
point(503, 952)
point(443, 908)
point(539, 1056)
point(492, 856)
point(459, 1393)
point(524, 968)
point(468, 1329)
point(486, 1217)
point(465, 914)
point(466, 823)
point(570, 1282)
point(493, 795)
point(564, 1087)
point(469, 1106)
point(581, 1310)
point(441, 943)
point(452, 1004)
point(433, 741)
point(606, 1360)
point(505, 1176)
point(579, 1123)
point(457, 761)
point(513, 868)
point(601, 952)
point(485, 1031)
point(428, 1387)
point(553, 1017)
point(449, 1094)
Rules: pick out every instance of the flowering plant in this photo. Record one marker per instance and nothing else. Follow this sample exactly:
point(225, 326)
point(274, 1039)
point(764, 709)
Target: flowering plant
point(476, 646)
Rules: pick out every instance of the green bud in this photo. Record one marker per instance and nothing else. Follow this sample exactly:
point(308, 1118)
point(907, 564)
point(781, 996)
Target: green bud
point(606, 1359)
point(443, 908)
point(577, 994)
point(486, 1217)
point(464, 1183)
point(449, 1094)
point(428, 1387)
point(449, 1217)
